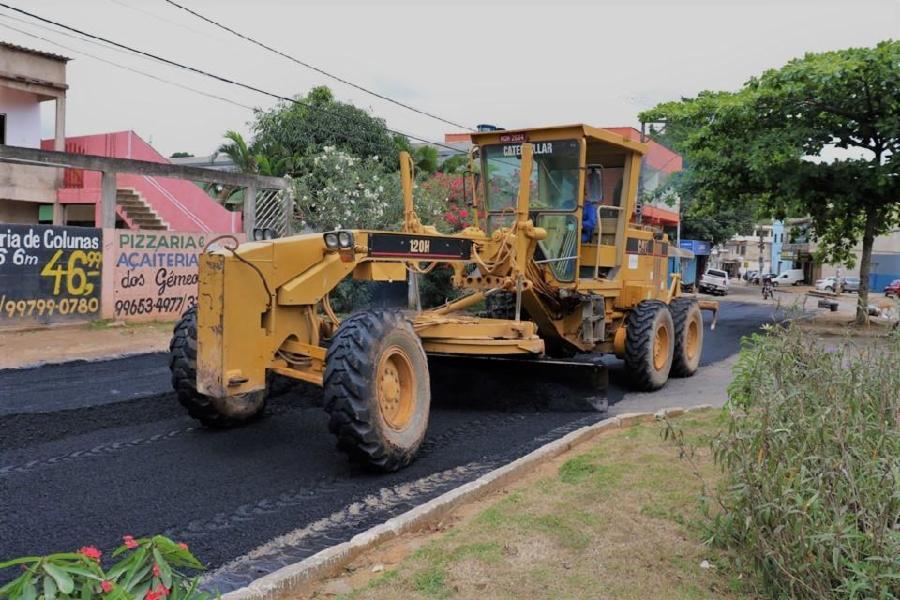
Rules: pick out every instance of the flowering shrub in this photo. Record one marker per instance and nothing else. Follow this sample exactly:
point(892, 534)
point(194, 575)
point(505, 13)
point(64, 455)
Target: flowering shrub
point(341, 191)
point(147, 569)
point(440, 201)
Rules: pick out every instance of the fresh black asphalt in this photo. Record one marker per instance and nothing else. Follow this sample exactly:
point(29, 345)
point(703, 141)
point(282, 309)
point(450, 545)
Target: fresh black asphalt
point(90, 451)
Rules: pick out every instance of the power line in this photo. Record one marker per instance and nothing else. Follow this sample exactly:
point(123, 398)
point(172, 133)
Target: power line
point(212, 75)
point(340, 134)
point(165, 20)
point(313, 67)
point(127, 68)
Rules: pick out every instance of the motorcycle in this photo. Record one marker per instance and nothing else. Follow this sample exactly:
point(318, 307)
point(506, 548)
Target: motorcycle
point(768, 289)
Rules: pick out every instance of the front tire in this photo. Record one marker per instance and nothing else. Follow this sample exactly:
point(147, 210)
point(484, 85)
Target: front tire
point(649, 345)
point(216, 413)
point(688, 323)
point(377, 390)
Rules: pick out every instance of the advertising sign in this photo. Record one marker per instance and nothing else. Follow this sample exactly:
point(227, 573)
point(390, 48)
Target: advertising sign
point(49, 274)
point(698, 247)
point(154, 273)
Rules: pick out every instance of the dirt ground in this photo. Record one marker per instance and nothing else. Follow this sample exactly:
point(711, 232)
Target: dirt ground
point(88, 342)
point(613, 519)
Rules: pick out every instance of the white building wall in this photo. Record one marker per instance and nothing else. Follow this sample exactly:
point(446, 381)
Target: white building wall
point(23, 117)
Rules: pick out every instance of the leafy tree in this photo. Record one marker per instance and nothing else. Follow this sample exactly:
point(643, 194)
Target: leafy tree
point(455, 164)
point(762, 147)
point(182, 155)
point(426, 159)
point(305, 129)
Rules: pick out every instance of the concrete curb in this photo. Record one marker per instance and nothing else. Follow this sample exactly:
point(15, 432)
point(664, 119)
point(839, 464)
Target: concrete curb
point(330, 561)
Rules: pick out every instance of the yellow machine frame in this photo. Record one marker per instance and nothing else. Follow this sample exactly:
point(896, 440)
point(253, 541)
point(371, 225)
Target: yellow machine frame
point(264, 307)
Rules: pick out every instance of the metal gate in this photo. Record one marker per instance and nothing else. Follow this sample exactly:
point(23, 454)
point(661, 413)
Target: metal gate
point(274, 210)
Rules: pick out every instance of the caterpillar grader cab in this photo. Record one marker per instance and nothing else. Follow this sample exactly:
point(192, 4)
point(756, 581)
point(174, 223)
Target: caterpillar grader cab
point(554, 265)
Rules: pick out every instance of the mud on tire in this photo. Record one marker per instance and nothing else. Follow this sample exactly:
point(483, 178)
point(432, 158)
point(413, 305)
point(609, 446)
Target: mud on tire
point(213, 413)
point(377, 390)
point(648, 357)
point(688, 322)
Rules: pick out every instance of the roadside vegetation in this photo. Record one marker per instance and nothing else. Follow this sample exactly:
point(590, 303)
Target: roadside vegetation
point(810, 499)
point(144, 569)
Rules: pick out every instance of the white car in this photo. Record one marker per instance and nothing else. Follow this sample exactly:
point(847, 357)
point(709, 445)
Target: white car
point(714, 281)
point(829, 284)
point(789, 277)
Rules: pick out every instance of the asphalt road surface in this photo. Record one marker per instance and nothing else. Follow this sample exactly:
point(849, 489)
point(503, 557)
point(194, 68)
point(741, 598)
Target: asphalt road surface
point(90, 451)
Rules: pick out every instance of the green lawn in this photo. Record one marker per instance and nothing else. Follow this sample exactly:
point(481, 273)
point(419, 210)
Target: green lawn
point(618, 519)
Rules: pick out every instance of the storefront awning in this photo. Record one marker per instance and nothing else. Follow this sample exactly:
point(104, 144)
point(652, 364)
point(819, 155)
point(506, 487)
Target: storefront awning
point(676, 252)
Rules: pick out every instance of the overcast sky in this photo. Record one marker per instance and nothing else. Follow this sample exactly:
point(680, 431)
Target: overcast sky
point(510, 63)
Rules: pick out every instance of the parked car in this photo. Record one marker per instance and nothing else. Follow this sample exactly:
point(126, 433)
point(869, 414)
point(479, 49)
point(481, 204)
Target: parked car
point(714, 281)
point(750, 275)
point(789, 277)
point(851, 284)
point(892, 290)
point(829, 284)
point(757, 278)
point(826, 284)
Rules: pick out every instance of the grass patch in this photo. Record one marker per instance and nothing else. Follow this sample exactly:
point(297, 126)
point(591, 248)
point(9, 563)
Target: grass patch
point(616, 520)
point(432, 583)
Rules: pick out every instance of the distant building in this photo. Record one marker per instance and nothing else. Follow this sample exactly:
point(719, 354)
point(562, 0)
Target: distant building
point(27, 79)
point(142, 201)
point(790, 244)
point(216, 162)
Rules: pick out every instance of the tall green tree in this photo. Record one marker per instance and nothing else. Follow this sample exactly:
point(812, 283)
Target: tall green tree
point(306, 128)
point(767, 146)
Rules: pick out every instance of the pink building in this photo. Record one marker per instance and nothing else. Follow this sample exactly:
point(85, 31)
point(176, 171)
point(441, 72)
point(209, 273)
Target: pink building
point(142, 201)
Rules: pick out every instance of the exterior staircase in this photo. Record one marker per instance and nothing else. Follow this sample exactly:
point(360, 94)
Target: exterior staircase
point(135, 211)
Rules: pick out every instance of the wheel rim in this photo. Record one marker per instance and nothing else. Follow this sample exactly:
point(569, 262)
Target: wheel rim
point(395, 383)
point(692, 343)
point(661, 348)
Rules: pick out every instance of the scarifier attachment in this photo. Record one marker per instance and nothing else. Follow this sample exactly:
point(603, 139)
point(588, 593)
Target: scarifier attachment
point(518, 383)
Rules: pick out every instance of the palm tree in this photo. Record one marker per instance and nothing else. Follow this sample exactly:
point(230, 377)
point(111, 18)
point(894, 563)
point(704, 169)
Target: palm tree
point(243, 157)
point(239, 151)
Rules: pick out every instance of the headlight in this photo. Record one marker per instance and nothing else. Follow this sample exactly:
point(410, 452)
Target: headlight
point(264, 233)
point(345, 239)
point(331, 240)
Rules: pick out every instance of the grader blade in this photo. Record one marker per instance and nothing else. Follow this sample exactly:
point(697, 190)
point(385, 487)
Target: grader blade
point(516, 383)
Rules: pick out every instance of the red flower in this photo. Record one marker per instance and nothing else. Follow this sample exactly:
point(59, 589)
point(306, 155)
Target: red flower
point(129, 542)
point(152, 595)
point(90, 552)
point(464, 213)
point(155, 570)
point(106, 586)
point(182, 545)
point(156, 593)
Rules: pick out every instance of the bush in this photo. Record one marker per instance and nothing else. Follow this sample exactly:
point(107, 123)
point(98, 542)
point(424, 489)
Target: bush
point(148, 569)
point(811, 456)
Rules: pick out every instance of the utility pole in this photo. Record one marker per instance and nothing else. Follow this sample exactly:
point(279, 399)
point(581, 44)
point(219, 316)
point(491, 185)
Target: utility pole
point(762, 247)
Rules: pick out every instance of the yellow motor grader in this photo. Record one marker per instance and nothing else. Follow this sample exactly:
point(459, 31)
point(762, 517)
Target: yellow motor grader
point(556, 262)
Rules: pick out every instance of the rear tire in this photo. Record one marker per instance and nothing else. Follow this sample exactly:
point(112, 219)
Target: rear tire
point(216, 413)
point(377, 390)
point(649, 344)
point(688, 322)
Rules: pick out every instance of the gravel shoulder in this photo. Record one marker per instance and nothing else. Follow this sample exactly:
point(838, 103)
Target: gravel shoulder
point(92, 341)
